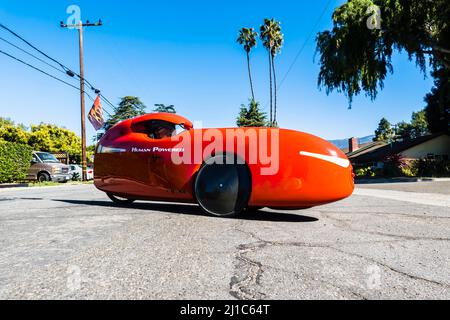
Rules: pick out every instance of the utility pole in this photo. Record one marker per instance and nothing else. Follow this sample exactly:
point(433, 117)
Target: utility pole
point(80, 27)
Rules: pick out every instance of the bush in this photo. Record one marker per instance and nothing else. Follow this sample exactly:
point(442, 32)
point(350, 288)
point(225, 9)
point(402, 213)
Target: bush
point(15, 160)
point(410, 170)
point(367, 172)
point(76, 177)
point(394, 165)
point(432, 168)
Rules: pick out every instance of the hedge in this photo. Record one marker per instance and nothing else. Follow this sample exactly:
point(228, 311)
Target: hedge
point(15, 160)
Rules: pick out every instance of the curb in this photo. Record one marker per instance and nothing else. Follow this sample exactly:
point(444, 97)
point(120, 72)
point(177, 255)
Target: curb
point(400, 180)
point(27, 186)
point(15, 185)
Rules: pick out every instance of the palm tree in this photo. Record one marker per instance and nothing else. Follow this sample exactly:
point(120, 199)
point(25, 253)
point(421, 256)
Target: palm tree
point(276, 49)
point(266, 35)
point(247, 38)
point(270, 34)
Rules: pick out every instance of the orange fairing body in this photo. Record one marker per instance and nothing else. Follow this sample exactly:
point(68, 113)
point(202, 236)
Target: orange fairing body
point(309, 171)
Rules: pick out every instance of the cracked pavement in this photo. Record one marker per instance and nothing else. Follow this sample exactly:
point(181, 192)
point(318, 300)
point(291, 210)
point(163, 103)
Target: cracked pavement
point(71, 242)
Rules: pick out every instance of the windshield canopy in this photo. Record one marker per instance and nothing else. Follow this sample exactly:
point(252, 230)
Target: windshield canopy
point(47, 157)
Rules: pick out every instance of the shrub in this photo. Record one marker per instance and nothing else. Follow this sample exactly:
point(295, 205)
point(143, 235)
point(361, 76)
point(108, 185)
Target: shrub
point(432, 168)
point(76, 177)
point(365, 172)
point(394, 165)
point(15, 160)
point(410, 170)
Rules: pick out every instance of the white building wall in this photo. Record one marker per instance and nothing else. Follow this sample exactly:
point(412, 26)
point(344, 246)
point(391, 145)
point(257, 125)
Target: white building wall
point(438, 146)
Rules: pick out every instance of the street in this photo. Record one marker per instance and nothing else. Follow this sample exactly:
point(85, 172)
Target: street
point(390, 241)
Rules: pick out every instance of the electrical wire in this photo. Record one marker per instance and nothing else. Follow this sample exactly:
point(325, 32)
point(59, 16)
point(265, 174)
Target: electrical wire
point(37, 69)
point(32, 46)
point(67, 70)
point(306, 42)
point(302, 48)
point(49, 75)
point(32, 55)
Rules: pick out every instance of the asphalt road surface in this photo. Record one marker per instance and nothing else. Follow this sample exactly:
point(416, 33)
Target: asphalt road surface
point(71, 242)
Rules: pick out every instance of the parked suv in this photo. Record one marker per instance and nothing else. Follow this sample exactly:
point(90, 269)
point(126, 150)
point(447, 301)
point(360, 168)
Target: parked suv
point(45, 167)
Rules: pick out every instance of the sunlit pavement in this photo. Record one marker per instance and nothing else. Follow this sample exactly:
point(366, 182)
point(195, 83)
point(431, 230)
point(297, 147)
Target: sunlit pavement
point(72, 242)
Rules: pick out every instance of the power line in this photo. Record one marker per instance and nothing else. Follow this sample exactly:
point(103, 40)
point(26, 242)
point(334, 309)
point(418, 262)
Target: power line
point(40, 70)
point(107, 101)
point(49, 75)
point(32, 55)
point(306, 42)
point(302, 47)
point(28, 43)
point(67, 70)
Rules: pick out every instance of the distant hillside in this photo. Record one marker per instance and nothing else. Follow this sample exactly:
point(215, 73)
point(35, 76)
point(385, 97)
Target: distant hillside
point(343, 143)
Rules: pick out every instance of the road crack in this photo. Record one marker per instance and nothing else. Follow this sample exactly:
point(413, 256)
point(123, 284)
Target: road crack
point(341, 224)
point(248, 272)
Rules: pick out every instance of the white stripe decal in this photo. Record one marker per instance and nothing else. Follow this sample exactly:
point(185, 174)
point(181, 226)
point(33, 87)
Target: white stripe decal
point(344, 163)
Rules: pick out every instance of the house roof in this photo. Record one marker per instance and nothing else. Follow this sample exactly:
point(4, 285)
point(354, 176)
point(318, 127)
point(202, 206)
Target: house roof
point(377, 151)
point(365, 148)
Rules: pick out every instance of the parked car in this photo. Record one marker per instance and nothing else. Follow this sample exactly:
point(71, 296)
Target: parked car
point(76, 169)
point(45, 167)
point(161, 157)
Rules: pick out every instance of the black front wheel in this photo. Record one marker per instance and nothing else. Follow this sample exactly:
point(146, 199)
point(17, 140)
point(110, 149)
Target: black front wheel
point(121, 201)
point(223, 189)
point(44, 177)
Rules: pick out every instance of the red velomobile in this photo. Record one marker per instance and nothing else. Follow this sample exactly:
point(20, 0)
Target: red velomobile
point(161, 157)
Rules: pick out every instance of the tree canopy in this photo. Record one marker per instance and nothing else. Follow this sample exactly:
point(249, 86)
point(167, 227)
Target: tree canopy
point(165, 108)
point(251, 116)
point(356, 55)
point(13, 133)
point(418, 127)
point(51, 138)
point(43, 137)
point(384, 132)
point(438, 102)
point(129, 107)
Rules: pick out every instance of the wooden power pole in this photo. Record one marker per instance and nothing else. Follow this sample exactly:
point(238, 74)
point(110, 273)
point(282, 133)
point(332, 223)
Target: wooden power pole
point(80, 27)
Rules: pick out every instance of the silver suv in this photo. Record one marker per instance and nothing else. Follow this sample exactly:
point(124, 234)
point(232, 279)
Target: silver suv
point(45, 167)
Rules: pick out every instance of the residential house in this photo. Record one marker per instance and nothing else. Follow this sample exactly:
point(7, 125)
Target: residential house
point(436, 146)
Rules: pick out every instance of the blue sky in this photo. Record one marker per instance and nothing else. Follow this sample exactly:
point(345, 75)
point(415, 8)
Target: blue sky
point(185, 53)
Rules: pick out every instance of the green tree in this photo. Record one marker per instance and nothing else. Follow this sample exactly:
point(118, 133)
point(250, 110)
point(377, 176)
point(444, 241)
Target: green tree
point(165, 108)
point(276, 49)
point(13, 133)
point(355, 56)
point(417, 128)
point(5, 122)
point(438, 102)
point(51, 138)
point(247, 38)
point(419, 124)
point(270, 34)
point(251, 116)
point(384, 131)
point(404, 131)
point(129, 107)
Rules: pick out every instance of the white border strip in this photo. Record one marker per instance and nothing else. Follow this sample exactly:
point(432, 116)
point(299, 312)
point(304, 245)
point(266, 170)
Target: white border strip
point(344, 163)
